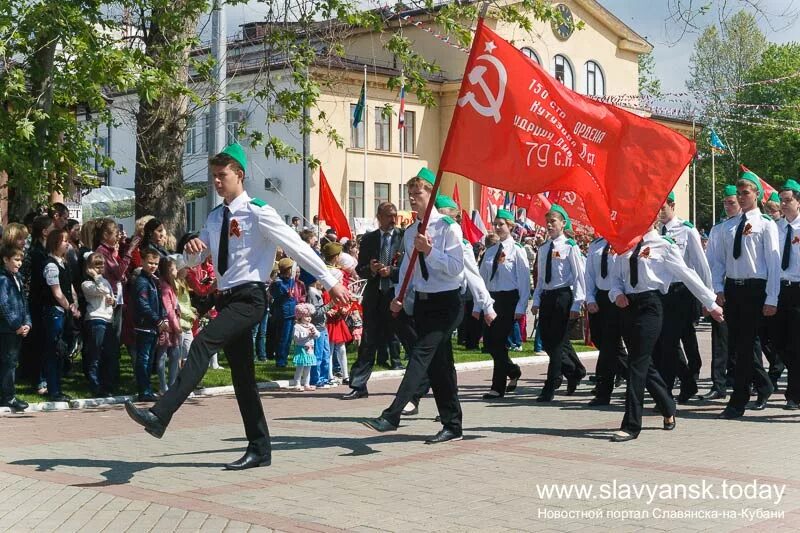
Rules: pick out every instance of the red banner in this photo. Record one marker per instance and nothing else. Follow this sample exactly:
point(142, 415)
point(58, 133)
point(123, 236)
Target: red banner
point(516, 128)
point(329, 209)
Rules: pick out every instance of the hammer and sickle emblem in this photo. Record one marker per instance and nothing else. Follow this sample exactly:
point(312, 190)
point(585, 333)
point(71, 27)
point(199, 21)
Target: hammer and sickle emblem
point(570, 197)
point(475, 77)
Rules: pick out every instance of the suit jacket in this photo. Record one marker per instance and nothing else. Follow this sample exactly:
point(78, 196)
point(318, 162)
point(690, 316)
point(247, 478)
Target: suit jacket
point(369, 249)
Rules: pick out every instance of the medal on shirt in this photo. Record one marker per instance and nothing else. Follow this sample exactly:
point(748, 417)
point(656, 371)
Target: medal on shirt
point(645, 253)
point(748, 229)
point(235, 231)
point(502, 258)
point(556, 254)
point(796, 239)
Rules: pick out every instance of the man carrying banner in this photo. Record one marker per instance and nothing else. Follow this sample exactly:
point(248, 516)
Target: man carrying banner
point(559, 295)
point(680, 307)
point(641, 277)
point(436, 281)
point(745, 269)
point(507, 275)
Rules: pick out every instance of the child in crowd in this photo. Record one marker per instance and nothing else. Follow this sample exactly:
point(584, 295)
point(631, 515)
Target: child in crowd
point(304, 335)
point(101, 340)
point(322, 350)
point(168, 339)
point(15, 323)
point(282, 290)
point(188, 315)
point(338, 332)
point(150, 319)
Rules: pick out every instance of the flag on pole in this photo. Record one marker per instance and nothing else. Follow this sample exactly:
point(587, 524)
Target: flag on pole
point(471, 232)
point(478, 221)
point(358, 111)
point(329, 209)
point(456, 196)
point(716, 144)
point(507, 202)
point(401, 119)
point(768, 189)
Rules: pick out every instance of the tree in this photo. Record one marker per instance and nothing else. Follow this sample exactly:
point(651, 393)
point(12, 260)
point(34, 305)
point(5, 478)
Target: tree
point(649, 84)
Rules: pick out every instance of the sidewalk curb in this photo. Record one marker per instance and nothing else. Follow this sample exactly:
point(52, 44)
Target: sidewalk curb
point(281, 384)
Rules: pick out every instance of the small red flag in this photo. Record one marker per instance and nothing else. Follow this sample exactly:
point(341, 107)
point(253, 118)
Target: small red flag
point(518, 129)
point(471, 232)
point(538, 208)
point(456, 196)
point(768, 189)
point(329, 209)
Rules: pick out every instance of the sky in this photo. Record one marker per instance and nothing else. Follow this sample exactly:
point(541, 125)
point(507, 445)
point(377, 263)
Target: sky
point(649, 18)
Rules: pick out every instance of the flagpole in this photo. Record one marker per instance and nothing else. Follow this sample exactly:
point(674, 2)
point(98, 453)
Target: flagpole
point(366, 127)
point(713, 189)
point(694, 181)
point(403, 129)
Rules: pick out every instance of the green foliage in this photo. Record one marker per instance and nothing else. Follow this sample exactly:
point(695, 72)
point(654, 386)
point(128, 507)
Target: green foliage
point(649, 84)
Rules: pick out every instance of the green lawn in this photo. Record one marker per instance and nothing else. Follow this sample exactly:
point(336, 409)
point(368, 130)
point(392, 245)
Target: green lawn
point(75, 384)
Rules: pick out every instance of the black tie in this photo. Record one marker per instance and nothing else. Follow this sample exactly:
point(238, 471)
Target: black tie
point(787, 248)
point(222, 256)
point(384, 259)
point(664, 229)
point(737, 240)
point(635, 264)
point(604, 262)
point(423, 268)
point(548, 265)
point(496, 260)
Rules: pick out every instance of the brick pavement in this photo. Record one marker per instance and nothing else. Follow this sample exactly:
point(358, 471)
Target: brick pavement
point(94, 470)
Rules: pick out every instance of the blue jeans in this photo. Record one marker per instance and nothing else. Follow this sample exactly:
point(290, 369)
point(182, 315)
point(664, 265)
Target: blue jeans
point(260, 337)
point(286, 331)
point(145, 351)
point(171, 355)
point(53, 353)
point(10, 344)
point(537, 340)
point(100, 351)
point(322, 351)
point(515, 339)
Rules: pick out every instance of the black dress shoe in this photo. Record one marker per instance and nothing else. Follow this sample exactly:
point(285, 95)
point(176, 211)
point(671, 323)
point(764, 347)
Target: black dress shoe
point(572, 384)
point(791, 405)
point(492, 395)
point(250, 459)
point(714, 395)
point(759, 405)
point(398, 366)
point(730, 413)
point(443, 436)
point(410, 412)
point(60, 398)
point(623, 436)
point(669, 426)
point(380, 424)
point(546, 396)
point(355, 395)
point(512, 384)
point(144, 417)
point(16, 405)
point(147, 398)
point(597, 401)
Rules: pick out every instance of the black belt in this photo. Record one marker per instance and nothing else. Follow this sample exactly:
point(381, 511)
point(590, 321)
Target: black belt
point(634, 296)
point(677, 286)
point(244, 286)
point(495, 294)
point(560, 289)
point(787, 283)
point(423, 296)
point(751, 282)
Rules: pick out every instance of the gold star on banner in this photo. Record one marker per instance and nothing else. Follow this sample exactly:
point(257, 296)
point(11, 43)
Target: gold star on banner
point(490, 46)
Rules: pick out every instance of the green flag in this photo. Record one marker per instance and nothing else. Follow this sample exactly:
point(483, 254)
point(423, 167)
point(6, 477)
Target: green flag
point(358, 111)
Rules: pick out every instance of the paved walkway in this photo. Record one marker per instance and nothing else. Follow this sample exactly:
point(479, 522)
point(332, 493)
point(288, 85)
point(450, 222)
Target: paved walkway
point(94, 470)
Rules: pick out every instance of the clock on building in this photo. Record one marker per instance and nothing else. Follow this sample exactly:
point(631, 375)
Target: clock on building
point(564, 29)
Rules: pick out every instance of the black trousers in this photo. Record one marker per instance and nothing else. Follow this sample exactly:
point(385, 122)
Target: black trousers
point(505, 303)
point(786, 337)
point(471, 328)
point(768, 348)
point(436, 317)
point(722, 356)
point(744, 305)
point(380, 327)
point(678, 315)
point(232, 331)
point(606, 328)
point(641, 326)
point(554, 323)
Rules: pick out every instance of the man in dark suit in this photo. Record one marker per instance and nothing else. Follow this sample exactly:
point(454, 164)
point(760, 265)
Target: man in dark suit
point(378, 261)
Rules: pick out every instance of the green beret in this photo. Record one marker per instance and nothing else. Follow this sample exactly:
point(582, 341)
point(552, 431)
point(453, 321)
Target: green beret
point(505, 214)
point(774, 197)
point(236, 151)
point(791, 185)
point(751, 176)
point(331, 250)
point(555, 208)
point(425, 174)
point(444, 201)
point(671, 196)
point(730, 190)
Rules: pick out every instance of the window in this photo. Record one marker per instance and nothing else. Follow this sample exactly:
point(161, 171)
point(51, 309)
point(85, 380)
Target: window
point(191, 218)
point(563, 71)
point(382, 193)
point(403, 198)
point(383, 136)
point(233, 123)
point(356, 199)
point(191, 137)
point(409, 132)
point(531, 54)
point(357, 133)
point(595, 83)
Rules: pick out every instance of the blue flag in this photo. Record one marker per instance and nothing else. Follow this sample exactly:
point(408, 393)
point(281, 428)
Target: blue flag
point(716, 143)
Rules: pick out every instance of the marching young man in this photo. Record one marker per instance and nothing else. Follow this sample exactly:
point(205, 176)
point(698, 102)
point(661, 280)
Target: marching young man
point(745, 269)
point(507, 275)
point(641, 276)
point(242, 236)
point(436, 281)
point(560, 292)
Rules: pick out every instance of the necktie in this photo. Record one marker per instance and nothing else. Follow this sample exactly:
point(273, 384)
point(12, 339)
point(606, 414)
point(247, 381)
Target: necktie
point(664, 229)
point(496, 260)
point(222, 255)
point(737, 240)
point(548, 265)
point(787, 248)
point(635, 264)
point(604, 262)
point(384, 258)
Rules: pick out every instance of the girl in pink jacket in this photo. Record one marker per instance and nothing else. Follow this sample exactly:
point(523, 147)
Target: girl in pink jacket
point(169, 340)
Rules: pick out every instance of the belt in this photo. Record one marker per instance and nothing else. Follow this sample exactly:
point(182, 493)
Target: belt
point(423, 296)
point(787, 283)
point(244, 286)
point(641, 295)
point(751, 282)
point(560, 289)
point(514, 292)
point(676, 286)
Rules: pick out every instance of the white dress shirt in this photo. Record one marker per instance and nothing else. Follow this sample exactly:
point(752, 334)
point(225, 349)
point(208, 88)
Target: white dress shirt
point(792, 273)
point(513, 272)
point(567, 271)
point(594, 279)
point(687, 238)
point(445, 262)
point(251, 253)
point(660, 263)
point(473, 282)
point(760, 259)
